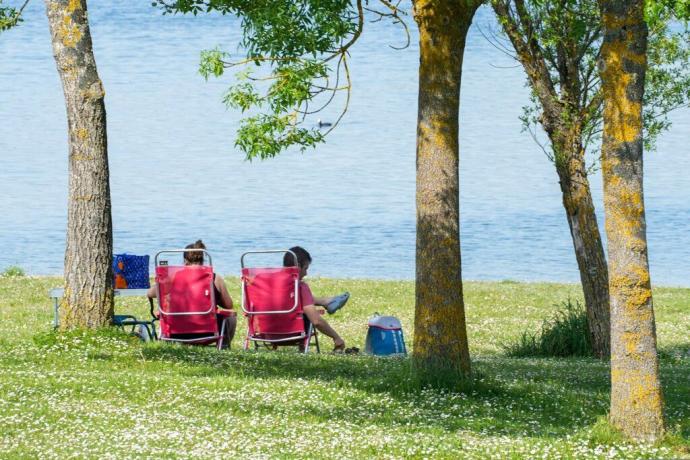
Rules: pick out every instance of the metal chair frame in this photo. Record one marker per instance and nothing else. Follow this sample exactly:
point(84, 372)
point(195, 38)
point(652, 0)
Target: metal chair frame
point(304, 337)
point(217, 337)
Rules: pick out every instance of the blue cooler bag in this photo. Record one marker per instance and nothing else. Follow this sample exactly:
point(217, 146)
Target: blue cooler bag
point(385, 336)
point(130, 271)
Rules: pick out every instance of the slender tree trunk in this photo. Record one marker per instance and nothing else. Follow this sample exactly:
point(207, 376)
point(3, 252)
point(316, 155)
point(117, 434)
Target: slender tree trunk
point(636, 398)
point(562, 118)
point(88, 300)
point(440, 340)
point(589, 251)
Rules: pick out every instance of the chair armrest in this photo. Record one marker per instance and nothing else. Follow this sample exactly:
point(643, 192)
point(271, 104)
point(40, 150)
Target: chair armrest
point(226, 313)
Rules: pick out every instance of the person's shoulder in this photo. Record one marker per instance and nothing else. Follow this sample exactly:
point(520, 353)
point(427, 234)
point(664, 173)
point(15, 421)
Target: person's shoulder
point(304, 286)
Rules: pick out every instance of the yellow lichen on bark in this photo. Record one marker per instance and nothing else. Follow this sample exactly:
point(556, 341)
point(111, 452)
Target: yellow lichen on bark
point(94, 91)
point(608, 165)
point(69, 32)
point(632, 286)
point(631, 198)
point(643, 390)
point(625, 210)
point(640, 273)
point(74, 5)
point(624, 123)
point(636, 398)
point(616, 223)
point(87, 197)
point(631, 340)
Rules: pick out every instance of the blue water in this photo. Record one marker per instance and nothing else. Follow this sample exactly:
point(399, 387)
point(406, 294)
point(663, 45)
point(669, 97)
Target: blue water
point(176, 176)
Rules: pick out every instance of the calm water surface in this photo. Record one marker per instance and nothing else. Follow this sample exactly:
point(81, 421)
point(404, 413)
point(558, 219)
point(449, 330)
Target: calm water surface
point(176, 176)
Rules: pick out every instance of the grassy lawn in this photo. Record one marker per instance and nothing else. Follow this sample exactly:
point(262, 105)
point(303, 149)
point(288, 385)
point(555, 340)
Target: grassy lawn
point(108, 395)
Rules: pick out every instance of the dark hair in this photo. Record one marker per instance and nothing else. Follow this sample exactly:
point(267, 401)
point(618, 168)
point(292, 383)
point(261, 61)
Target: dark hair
point(303, 257)
point(195, 257)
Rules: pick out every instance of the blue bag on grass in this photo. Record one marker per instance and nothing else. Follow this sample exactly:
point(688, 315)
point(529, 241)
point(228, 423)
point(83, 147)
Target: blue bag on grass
point(385, 336)
point(130, 271)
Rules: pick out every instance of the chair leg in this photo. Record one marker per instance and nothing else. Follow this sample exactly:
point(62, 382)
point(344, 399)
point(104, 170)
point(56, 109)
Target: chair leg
point(222, 335)
point(316, 342)
point(307, 339)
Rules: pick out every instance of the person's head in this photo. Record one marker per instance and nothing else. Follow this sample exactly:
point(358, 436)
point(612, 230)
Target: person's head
point(194, 257)
point(303, 260)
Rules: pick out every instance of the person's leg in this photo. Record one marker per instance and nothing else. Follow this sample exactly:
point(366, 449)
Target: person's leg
point(332, 304)
point(322, 301)
point(230, 326)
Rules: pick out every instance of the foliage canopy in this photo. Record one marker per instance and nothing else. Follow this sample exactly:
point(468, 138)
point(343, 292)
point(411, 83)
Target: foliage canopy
point(567, 33)
point(295, 56)
point(294, 65)
point(10, 16)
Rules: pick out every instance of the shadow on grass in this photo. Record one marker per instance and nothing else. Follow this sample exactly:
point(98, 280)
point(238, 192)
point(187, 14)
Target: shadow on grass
point(507, 396)
point(526, 397)
point(533, 397)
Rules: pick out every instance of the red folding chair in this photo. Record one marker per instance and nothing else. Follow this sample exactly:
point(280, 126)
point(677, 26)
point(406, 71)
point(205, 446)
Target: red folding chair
point(186, 301)
point(272, 305)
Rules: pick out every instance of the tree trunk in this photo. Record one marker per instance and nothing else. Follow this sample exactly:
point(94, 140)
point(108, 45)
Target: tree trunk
point(88, 300)
point(636, 398)
point(589, 251)
point(440, 340)
point(562, 117)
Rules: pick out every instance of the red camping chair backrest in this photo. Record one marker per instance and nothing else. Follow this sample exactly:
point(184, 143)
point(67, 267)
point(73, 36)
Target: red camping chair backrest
point(268, 290)
point(186, 300)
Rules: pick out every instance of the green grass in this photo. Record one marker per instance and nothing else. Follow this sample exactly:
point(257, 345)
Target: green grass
point(105, 394)
point(565, 334)
point(13, 271)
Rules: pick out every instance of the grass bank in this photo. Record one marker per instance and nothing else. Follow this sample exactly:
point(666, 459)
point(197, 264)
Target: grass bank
point(108, 395)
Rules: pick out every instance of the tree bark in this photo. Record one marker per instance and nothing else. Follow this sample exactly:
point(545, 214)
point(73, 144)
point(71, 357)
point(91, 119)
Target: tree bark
point(88, 299)
point(589, 251)
point(562, 119)
point(440, 340)
point(636, 398)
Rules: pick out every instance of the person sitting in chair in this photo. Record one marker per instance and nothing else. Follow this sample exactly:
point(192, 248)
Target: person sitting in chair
point(221, 295)
point(309, 302)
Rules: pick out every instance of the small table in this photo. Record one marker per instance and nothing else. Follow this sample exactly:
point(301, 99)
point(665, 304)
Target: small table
point(57, 293)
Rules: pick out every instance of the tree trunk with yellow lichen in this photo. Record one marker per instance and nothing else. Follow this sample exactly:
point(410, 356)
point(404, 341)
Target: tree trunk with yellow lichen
point(88, 300)
point(440, 340)
point(636, 398)
point(584, 230)
point(561, 91)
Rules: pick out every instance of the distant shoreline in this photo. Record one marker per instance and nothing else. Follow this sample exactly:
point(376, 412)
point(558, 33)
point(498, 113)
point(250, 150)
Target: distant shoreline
point(396, 280)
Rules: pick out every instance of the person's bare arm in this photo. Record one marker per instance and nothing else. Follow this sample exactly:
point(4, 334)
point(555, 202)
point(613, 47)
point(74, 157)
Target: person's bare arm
point(323, 326)
point(225, 299)
point(152, 293)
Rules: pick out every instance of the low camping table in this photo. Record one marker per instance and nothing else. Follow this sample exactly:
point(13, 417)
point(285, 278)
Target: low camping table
point(57, 293)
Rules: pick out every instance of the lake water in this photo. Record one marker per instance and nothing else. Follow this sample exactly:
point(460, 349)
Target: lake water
point(176, 176)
